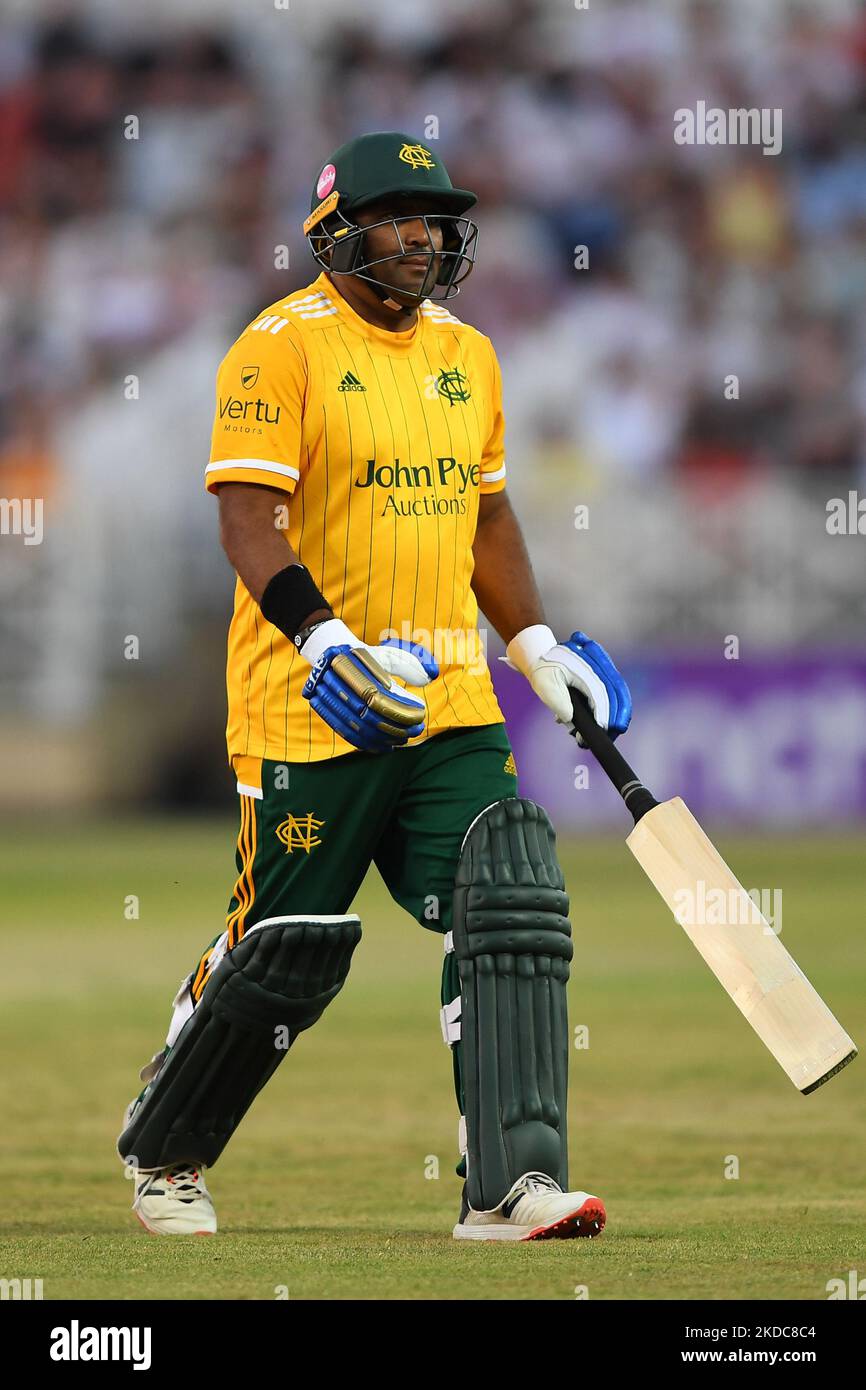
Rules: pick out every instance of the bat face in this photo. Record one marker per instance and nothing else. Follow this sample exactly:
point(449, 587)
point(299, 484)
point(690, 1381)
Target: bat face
point(740, 946)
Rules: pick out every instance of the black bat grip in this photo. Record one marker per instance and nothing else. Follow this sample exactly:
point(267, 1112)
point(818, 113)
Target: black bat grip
point(607, 755)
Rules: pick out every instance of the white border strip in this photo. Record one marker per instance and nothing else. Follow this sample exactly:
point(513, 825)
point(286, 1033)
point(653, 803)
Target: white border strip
point(304, 917)
point(244, 790)
point(472, 822)
point(255, 465)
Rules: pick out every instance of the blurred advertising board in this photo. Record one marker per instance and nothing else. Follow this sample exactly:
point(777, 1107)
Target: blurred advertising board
point(778, 743)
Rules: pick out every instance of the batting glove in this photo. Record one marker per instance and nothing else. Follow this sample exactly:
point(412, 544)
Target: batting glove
point(352, 686)
point(552, 668)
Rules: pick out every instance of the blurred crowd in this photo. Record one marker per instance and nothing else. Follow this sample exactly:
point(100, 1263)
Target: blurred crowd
point(147, 178)
point(680, 326)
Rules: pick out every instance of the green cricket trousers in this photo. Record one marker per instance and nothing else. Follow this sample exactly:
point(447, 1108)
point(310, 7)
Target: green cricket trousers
point(310, 832)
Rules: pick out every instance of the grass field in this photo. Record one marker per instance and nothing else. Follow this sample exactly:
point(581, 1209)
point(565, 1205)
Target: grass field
point(323, 1193)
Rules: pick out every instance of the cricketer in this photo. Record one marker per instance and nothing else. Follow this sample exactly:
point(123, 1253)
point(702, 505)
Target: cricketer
point(358, 459)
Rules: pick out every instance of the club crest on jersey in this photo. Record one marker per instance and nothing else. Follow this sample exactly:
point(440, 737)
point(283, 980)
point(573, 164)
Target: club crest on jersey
point(299, 832)
point(249, 377)
point(417, 157)
point(453, 385)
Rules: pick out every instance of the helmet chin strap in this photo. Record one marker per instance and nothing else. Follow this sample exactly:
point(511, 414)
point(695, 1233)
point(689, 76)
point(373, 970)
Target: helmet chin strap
point(385, 292)
point(389, 303)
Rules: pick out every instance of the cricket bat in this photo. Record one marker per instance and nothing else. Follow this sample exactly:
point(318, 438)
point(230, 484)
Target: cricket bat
point(734, 938)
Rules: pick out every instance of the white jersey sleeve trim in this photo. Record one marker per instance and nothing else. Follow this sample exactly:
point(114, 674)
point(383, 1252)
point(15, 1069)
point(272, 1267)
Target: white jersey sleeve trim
point(254, 465)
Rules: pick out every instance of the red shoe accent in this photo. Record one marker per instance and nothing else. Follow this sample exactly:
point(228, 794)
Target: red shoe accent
point(153, 1233)
point(589, 1220)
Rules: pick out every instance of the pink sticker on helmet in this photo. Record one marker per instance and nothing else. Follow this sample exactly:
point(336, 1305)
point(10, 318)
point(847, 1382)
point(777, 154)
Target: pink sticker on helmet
point(326, 182)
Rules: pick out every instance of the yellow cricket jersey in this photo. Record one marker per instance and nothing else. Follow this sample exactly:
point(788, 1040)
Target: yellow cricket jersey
point(384, 442)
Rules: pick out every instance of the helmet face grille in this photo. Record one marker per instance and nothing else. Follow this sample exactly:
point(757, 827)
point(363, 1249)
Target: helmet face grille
point(339, 246)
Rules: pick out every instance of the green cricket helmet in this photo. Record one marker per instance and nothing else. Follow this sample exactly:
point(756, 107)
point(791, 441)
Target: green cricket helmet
point(390, 165)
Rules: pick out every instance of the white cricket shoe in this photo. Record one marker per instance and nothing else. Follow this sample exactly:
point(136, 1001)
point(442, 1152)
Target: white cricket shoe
point(536, 1208)
point(174, 1201)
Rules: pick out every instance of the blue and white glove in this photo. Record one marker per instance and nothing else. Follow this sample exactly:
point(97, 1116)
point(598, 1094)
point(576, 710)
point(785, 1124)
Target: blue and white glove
point(351, 686)
point(552, 667)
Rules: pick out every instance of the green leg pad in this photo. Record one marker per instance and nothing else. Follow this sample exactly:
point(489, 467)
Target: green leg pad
point(276, 982)
point(512, 940)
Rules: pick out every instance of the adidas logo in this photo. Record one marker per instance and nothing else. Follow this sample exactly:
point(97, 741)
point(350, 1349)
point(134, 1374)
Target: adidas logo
point(350, 383)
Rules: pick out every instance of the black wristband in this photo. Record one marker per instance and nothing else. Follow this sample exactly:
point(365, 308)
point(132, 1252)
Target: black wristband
point(289, 599)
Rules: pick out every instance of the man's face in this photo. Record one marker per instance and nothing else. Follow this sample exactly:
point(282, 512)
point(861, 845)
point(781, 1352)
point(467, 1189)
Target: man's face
point(414, 272)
